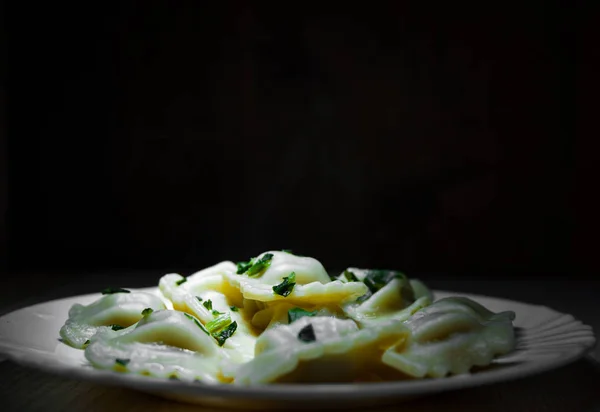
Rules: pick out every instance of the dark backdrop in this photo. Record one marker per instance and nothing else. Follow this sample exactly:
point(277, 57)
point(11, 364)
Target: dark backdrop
point(154, 135)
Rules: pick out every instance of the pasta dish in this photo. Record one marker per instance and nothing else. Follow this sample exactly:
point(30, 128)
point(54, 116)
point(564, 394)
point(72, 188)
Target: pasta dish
point(281, 318)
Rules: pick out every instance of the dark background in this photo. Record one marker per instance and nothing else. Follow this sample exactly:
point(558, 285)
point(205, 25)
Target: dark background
point(430, 139)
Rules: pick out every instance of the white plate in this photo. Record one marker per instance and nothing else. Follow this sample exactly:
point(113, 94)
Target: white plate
point(546, 339)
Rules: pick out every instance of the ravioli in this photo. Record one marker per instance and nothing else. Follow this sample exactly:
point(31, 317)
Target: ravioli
point(391, 295)
point(280, 318)
point(112, 312)
point(450, 337)
point(164, 344)
point(206, 295)
point(333, 350)
point(312, 283)
point(281, 264)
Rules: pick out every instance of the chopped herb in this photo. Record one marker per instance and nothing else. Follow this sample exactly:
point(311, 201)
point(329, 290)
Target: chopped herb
point(199, 298)
point(296, 313)
point(122, 362)
point(216, 312)
point(233, 308)
point(173, 377)
point(254, 266)
point(225, 334)
point(261, 265)
point(190, 317)
point(207, 304)
point(147, 311)
point(110, 291)
point(221, 328)
point(377, 279)
point(242, 267)
point(350, 276)
point(181, 281)
point(307, 334)
point(116, 327)
point(219, 323)
point(286, 287)
point(86, 343)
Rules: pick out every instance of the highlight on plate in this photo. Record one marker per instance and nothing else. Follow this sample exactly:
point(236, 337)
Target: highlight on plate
point(281, 318)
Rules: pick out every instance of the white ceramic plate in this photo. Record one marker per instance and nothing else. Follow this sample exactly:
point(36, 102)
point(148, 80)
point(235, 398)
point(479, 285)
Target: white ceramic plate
point(546, 339)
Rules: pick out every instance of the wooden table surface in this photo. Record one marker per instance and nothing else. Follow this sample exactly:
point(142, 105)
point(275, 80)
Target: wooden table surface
point(575, 387)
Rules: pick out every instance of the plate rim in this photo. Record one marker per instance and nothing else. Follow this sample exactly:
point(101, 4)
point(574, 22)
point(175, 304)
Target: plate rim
point(296, 392)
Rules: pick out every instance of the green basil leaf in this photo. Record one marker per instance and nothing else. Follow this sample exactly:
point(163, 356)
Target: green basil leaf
point(242, 267)
point(261, 265)
point(225, 333)
point(287, 286)
point(219, 323)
